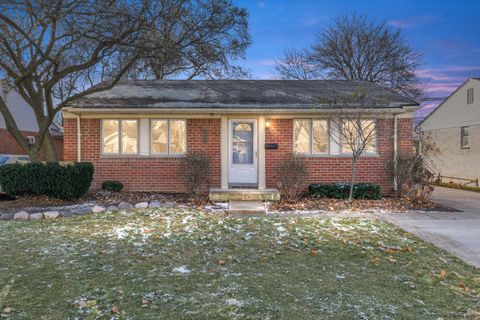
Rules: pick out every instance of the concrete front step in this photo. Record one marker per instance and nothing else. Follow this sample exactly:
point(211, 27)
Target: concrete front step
point(244, 195)
point(246, 207)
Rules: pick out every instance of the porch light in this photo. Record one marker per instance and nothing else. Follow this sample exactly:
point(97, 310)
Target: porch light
point(267, 124)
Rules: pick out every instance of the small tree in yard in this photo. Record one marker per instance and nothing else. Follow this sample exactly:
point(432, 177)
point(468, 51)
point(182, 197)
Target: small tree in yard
point(354, 127)
point(195, 172)
point(291, 173)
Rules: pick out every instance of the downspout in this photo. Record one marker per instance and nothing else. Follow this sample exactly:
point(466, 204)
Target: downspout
point(79, 140)
point(395, 151)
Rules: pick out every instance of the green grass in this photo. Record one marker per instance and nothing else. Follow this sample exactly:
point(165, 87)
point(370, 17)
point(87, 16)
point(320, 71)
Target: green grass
point(457, 186)
point(123, 266)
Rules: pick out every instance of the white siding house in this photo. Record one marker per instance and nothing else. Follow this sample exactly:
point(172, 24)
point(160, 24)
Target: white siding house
point(450, 135)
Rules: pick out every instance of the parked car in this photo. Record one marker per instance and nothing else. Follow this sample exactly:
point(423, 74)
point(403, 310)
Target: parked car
point(9, 158)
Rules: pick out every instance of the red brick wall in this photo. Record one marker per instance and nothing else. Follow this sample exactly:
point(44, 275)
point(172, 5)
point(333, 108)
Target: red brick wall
point(161, 174)
point(338, 168)
point(143, 173)
point(405, 136)
point(8, 145)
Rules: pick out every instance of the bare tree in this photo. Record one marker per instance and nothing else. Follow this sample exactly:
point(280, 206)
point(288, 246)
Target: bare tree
point(192, 39)
point(295, 65)
point(356, 48)
point(52, 52)
point(354, 127)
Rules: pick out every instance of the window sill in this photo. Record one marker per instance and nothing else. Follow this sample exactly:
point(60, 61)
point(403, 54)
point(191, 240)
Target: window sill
point(133, 156)
point(343, 155)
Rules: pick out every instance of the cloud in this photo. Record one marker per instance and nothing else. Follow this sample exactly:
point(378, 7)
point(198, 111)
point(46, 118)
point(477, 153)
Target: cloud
point(412, 22)
point(267, 62)
point(444, 80)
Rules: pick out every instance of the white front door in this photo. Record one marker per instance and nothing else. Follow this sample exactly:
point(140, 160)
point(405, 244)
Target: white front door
point(242, 150)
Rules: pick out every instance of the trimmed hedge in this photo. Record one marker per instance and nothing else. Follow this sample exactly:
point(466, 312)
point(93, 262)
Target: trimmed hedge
point(341, 190)
point(112, 185)
point(70, 181)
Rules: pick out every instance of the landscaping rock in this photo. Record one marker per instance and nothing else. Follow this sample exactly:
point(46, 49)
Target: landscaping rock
point(124, 205)
point(51, 214)
point(66, 214)
point(141, 205)
point(22, 215)
point(83, 211)
point(36, 216)
point(6, 216)
point(112, 208)
point(169, 204)
point(155, 204)
point(98, 209)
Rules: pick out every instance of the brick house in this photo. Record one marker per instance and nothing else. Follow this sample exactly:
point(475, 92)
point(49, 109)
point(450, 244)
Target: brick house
point(26, 122)
point(136, 132)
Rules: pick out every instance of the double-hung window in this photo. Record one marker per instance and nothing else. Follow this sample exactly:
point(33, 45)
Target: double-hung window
point(464, 137)
point(168, 137)
point(470, 96)
point(119, 137)
point(310, 136)
point(357, 134)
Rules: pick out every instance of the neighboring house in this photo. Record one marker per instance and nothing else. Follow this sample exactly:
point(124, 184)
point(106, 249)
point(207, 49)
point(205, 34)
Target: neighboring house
point(136, 132)
point(26, 122)
point(450, 135)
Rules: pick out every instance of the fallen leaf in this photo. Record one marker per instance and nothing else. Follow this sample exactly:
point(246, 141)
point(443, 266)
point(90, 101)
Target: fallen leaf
point(115, 310)
point(7, 310)
point(314, 252)
point(391, 259)
point(375, 260)
point(221, 262)
point(442, 274)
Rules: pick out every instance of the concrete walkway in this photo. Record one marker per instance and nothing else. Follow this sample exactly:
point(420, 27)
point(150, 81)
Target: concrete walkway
point(455, 232)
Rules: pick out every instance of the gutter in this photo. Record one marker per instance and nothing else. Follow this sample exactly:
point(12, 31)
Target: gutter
point(222, 111)
point(395, 150)
point(79, 140)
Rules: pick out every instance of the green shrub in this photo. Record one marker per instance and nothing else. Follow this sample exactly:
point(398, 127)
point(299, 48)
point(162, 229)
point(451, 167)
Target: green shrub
point(70, 181)
point(112, 185)
point(341, 190)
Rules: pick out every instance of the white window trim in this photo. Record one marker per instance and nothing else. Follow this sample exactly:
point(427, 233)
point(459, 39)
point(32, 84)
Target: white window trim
point(467, 146)
point(168, 154)
point(468, 96)
point(329, 148)
point(120, 130)
point(310, 145)
point(364, 153)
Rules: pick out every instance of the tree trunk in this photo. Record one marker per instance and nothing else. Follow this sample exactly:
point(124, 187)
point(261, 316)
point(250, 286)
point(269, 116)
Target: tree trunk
point(33, 154)
point(350, 194)
point(49, 149)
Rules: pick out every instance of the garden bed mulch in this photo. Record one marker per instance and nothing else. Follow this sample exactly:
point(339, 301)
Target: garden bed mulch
point(105, 198)
point(388, 204)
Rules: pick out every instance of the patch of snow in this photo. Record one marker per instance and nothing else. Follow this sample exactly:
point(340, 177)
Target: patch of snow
point(181, 269)
point(235, 302)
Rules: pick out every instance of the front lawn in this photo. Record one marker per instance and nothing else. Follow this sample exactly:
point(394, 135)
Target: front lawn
point(180, 264)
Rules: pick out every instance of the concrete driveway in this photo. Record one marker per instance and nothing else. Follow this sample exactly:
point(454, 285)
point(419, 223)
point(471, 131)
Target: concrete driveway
point(456, 232)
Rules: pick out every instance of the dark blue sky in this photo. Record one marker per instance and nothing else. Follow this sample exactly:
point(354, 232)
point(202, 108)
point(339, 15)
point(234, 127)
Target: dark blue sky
point(447, 33)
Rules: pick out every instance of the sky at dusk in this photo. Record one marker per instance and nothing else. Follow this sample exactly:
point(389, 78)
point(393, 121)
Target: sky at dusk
point(447, 33)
